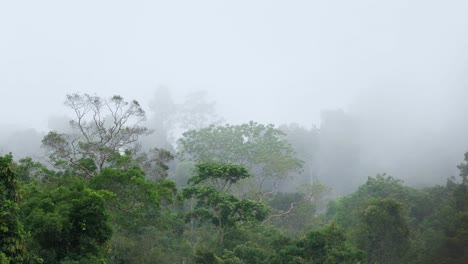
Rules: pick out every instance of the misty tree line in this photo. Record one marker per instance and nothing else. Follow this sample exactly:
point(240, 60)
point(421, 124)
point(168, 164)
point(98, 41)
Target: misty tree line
point(114, 190)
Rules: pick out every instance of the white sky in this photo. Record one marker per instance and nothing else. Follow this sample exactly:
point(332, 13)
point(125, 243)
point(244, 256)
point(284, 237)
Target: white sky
point(268, 61)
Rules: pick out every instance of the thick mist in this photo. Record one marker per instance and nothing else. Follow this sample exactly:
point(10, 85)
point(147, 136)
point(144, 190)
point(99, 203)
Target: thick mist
point(362, 87)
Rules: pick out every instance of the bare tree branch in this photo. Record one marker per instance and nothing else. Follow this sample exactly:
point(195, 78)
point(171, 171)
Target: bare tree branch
point(103, 127)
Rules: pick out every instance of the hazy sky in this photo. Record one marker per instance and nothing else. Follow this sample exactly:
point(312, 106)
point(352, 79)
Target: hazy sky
point(270, 61)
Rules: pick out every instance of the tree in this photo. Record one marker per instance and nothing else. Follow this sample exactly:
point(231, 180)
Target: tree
point(140, 215)
point(384, 232)
point(101, 128)
point(453, 220)
point(170, 118)
point(11, 229)
point(346, 211)
point(379, 216)
point(260, 148)
point(326, 245)
point(337, 144)
point(463, 167)
point(153, 163)
point(136, 201)
point(218, 177)
point(221, 209)
point(196, 112)
point(29, 170)
point(305, 142)
point(66, 221)
point(295, 213)
point(162, 119)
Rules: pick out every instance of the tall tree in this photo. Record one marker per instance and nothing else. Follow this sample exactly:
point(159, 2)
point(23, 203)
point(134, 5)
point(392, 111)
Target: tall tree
point(337, 144)
point(262, 149)
point(101, 128)
point(170, 118)
point(217, 207)
point(162, 118)
point(305, 142)
point(197, 112)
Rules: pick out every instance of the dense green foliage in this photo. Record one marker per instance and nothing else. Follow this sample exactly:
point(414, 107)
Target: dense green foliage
point(122, 216)
point(66, 221)
point(11, 228)
point(394, 223)
point(216, 205)
point(70, 219)
point(113, 202)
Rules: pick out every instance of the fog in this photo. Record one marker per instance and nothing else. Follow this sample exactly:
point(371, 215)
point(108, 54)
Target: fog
point(384, 82)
